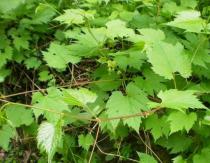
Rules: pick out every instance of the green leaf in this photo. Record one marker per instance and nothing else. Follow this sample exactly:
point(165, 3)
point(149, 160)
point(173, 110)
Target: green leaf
point(79, 97)
point(43, 14)
point(167, 59)
point(117, 28)
point(129, 58)
point(179, 159)
point(6, 6)
point(145, 158)
point(32, 62)
point(179, 121)
point(178, 100)
point(19, 115)
point(45, 76)
point(85, 141)
point(51, 105)
point(150, 35)
point(49, 137)
point(162, 129)
point(198, 49)
point(202, 157)
point(150, 82)
point(189, 20)
point(58, 56)
point(74, 16)
point(175, 143)
point(4, 73)
point(5, 56)
point(133, 103)
point(6, 133)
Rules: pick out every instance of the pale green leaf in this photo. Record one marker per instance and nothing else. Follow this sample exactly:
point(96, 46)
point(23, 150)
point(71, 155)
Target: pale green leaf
point(128, 58)
point(58, 56)
point(189, 20)
point(117, 28)
point(167, 59)
point(49, 137)
point(43, 14)
point(74, 16)
point(79, 97)
point(179, 100)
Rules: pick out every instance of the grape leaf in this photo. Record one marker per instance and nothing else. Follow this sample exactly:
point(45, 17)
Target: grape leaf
point(117, 28)
point(150, 82)
point(74, 16)
point(80, 97)
point(146, 158)
point(202, 157)
point(179, 159)
point(49, 137)
point(85, 141)
point(167, 59)
point(51, 105)
point(175, 143)
point(189, 20)
point(19, 115)
point(6, 133)
point(133, 103)
point(178, 100)
point(6, 6)
point(58, 56)
point(179, 121)
point(157, 130)
point(128, 58)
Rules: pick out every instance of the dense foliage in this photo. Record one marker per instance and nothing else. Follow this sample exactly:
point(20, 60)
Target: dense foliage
point(105, 81)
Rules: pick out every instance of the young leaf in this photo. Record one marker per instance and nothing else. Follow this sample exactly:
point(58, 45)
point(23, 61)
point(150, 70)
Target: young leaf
point(49, 137)
point(179, 121)
point(189, 20)
point(145, 158)
point(85, 141)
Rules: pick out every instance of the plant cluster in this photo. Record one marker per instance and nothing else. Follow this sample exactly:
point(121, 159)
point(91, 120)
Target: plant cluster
point(104, 81)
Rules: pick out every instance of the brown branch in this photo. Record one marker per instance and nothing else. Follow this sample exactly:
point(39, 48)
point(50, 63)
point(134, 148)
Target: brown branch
point(140, 114)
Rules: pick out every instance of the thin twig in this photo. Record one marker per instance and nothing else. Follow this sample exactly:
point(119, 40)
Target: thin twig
point(94, 144)
point(115, 155)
